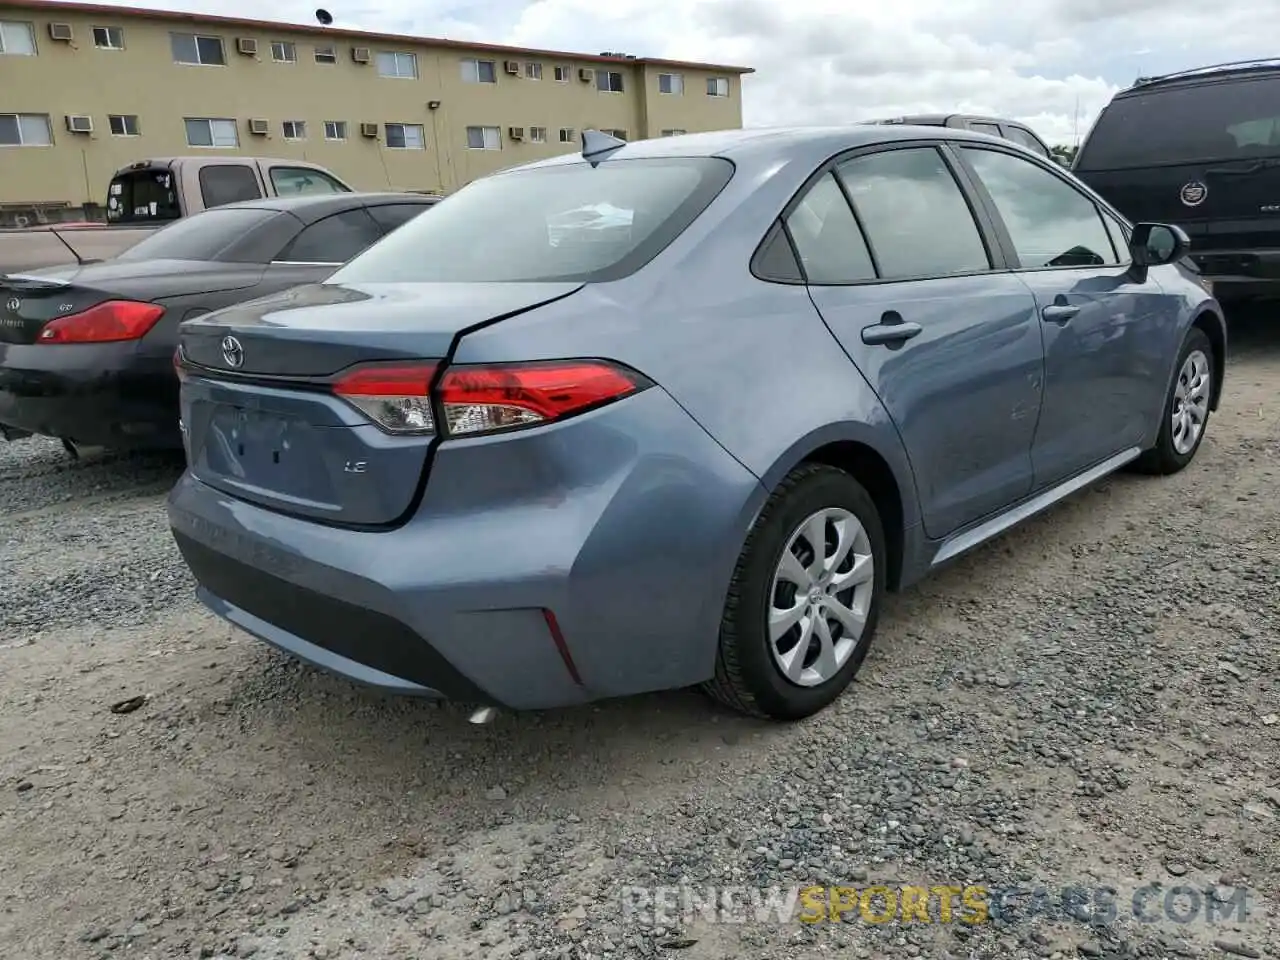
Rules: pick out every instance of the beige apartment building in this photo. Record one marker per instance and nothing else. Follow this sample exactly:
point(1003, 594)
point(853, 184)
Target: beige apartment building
point(86, 89)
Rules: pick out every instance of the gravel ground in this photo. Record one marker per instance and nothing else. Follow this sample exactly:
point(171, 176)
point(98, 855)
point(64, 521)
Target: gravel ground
point(1089, 703)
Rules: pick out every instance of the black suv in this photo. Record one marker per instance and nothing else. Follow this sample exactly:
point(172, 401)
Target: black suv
point(995, 126)
point(1199, 148)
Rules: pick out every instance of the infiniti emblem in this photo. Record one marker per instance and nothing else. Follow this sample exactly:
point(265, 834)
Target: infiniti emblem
point(14, 304)
point(232, 352)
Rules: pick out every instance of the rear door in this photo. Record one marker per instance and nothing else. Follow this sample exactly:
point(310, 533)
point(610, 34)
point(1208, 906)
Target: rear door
point(1203, 155)
point(1103, 333)
point(951, 343)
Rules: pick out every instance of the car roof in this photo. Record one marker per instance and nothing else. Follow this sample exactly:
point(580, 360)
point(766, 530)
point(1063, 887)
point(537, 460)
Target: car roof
point(760, 144)
point(312, 206)
point(1197, 76)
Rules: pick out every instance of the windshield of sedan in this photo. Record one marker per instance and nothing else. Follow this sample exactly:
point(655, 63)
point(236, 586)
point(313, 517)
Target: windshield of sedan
point(564, 223)
point(203, 236)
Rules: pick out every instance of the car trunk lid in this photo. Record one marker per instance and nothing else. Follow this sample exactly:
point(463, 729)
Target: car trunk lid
point(261, 417)
point(29, 302)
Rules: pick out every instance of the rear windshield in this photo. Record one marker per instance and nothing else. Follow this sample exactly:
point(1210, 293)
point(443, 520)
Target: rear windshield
point(563, 223)
point(1223, 120)
point(211, 235)
point(142, 196)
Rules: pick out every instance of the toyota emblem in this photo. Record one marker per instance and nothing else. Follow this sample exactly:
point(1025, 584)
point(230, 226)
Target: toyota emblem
point(13, 304)
point(232, 352)
point(1193, 193)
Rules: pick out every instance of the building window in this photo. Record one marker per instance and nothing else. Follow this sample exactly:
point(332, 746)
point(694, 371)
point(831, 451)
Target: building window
point(609, 81)
point(562, 74)
point(674, 133)
point(284, 51)
point(620, 134)
point(537, 134)
point(108, 38)
point(25, 130)
point(405, 136)
point(672, 83)
point(207, 132)
point(484, 138)
point(566, 134)
point(335, 129)
point(17, 39)
point(326, 55)
point(194, 49)
point(401, 66)
point(123, 124)
point(480, 71)
point(717, 86)
point(533, 71)
point(295, 129)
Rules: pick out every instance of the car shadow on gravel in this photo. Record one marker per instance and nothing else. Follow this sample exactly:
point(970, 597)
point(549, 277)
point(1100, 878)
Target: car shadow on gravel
point(38, 473)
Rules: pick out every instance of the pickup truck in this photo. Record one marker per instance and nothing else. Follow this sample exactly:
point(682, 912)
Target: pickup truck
point(1019, 133)
point(146, 195)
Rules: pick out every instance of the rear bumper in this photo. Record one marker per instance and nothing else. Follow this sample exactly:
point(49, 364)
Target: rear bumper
point(1238, 274)
point(95, 394)
point(624, 523)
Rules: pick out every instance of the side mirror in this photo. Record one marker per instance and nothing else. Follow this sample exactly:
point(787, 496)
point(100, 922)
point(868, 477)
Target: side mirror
point(1156, 244)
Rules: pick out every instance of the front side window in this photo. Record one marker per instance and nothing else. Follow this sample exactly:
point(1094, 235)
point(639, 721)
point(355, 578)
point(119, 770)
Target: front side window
point(209, 132)
point(292, 181)
point(915, 215)
point(484, 138)
point(1024, 138)
point(610, 81)
point(25, 130)
point(391, 216)
point(335, 239)
point(1051, 223)
point(193, 48)
point(1119, 237)
point(479, 71)
point(401, 66)
point(827, 237)
point(17, 38)
point(572, 222)
point(406, 136)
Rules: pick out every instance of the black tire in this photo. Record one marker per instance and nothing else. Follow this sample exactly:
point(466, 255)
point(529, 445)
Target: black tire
point(1163, 459)
point(747, 679)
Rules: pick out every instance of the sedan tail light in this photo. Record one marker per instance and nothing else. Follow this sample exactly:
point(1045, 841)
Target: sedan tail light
point(109, 322)
point(483, 398)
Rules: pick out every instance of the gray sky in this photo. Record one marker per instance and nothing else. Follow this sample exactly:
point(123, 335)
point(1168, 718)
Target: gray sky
point(835, 61)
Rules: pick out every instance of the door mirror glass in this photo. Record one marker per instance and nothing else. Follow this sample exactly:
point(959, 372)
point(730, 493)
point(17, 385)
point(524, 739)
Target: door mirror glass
point(1155, 244)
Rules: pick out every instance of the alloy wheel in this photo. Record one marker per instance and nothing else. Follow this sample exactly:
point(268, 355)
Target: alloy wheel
point(1190, 402)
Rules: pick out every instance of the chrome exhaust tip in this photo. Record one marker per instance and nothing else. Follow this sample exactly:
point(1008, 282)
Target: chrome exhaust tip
point(484, 715)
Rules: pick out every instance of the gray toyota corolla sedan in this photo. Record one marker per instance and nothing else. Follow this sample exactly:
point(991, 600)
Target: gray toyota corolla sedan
point(679, 412)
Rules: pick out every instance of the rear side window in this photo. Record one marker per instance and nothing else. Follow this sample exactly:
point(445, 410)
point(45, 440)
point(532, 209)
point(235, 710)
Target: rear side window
point(563, 223)
point(211, 235)
point(827, 237)
point(296, 181)
point(1223, 120)
point(142, 196)
point(1051, 223)
point(916, 217)
point(988, 128)
point(335, 239)
point(393, 215)
point(228, 183)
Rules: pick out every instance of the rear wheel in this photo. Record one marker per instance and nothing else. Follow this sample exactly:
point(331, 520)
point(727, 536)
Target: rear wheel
point(805, 598)
point(1186, 408)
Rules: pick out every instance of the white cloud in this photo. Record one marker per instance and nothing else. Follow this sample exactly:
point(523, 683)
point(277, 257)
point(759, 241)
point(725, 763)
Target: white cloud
point(1050, 63)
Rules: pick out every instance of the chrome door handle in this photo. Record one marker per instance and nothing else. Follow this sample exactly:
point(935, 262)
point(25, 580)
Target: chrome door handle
point(1059, 312)
point(888, 333)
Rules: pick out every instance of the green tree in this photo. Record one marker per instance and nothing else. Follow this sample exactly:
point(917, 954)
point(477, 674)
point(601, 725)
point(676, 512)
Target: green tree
point(1064, 154)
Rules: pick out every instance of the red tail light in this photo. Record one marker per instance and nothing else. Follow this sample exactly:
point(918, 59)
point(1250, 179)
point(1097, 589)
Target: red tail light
point(480, 399)
point(394, 396)
point(108, 322)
